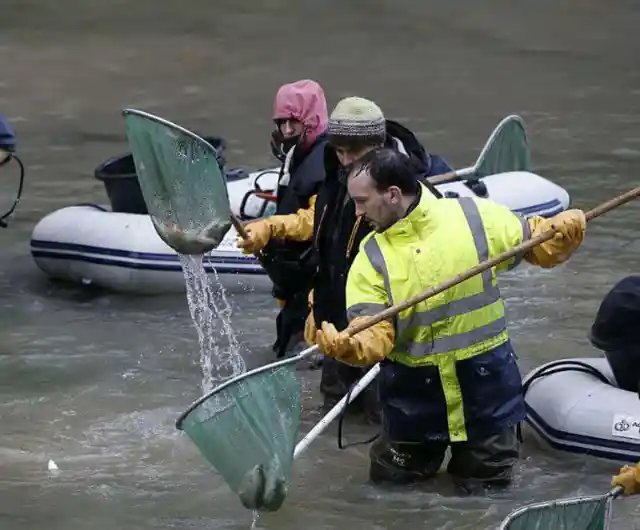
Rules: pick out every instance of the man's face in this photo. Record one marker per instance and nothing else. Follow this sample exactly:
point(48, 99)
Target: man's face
point(379, 208)
point(346, 157)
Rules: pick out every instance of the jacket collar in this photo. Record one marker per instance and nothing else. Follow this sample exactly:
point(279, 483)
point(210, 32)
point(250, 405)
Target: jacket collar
point(417, 216)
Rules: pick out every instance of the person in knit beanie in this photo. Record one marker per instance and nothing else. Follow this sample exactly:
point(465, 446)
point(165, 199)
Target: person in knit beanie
point(356, 126)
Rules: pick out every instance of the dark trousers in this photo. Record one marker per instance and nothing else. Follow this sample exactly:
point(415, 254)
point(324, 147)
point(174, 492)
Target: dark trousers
point(478, 463)
point(290, 323)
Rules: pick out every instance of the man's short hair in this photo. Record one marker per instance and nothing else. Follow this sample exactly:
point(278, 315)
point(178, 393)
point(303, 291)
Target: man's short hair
point(388, 167)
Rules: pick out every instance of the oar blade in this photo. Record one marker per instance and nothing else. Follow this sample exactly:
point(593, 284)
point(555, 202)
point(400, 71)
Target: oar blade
point(181, 182)
point(506, 150)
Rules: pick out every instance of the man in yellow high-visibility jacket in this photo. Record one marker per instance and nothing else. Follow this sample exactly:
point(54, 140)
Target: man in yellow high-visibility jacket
point(449, 375)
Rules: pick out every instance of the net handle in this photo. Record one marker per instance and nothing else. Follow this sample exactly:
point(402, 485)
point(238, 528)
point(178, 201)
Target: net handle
point(242, 232)
point(616, 492)
point(337, 409)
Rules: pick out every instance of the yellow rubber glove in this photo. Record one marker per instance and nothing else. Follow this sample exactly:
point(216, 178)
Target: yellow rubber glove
point(258, 235)
point(628, 478)
point(310, 329)
point(310, 323)
point(571, 226)
point(296, 227)
point(367, 347)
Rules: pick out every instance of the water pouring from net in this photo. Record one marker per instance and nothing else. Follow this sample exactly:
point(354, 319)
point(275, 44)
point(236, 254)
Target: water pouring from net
point(211, 314)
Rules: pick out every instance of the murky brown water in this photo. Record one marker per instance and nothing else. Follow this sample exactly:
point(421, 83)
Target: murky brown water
point(95, 381)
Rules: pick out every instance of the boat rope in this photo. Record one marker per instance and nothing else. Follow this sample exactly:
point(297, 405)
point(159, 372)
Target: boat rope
point(11, 156)
point(564, 365)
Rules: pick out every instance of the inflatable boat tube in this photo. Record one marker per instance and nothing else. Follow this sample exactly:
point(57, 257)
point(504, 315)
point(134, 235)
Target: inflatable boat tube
point(90, 244)
point(575, 406)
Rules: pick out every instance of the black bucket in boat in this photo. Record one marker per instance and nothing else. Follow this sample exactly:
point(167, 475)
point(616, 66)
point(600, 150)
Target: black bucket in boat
point(118, 174)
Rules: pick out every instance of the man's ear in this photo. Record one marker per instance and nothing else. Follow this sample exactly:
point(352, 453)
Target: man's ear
point(395, 194)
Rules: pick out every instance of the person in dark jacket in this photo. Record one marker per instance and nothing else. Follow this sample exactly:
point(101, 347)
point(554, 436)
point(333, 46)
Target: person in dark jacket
point(7, 154)
point(7, 140)
point(615, 331)
point(300, 115)
point(356, 126)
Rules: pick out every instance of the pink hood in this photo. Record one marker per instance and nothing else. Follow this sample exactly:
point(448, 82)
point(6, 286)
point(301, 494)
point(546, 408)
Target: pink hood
point(304, 101)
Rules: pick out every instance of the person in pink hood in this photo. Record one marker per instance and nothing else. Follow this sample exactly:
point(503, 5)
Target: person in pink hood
point(300, 114)
point(301, 119)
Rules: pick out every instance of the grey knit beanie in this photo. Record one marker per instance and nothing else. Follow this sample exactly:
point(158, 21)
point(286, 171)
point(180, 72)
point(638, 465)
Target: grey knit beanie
point(354, 116)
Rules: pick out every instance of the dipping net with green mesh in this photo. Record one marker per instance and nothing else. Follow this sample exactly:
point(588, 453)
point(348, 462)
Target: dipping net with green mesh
point(247, 429)
point(507, 150)
point(582, 513)
point(181, 182)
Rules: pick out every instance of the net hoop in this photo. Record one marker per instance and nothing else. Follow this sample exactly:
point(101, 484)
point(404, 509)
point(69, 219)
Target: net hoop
point(233, 381)
point(166, 123)
point(515, 514)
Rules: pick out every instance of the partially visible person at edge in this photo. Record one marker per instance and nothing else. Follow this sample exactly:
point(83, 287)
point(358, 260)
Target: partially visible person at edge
point(7, 140)
point(615, 331)
point(356, 126)
point(300, 115)
point(448, 370)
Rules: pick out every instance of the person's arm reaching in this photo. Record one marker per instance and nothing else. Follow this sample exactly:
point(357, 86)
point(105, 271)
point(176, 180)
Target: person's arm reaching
point(296, 227)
